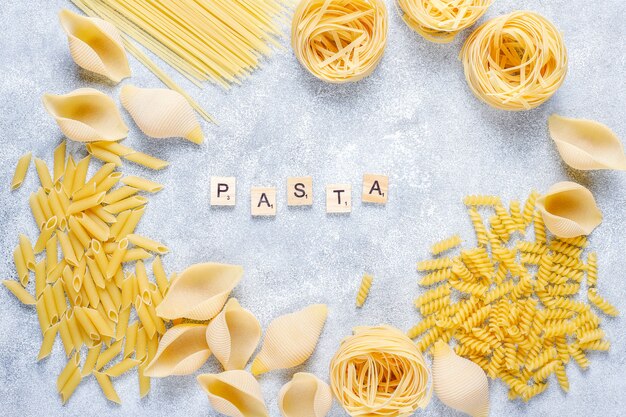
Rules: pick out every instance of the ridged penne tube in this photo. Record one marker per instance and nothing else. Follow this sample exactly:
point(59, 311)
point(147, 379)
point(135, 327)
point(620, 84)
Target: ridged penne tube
point(68, 176)
point(122, 323)
point(161, 113)
point(50, 305)
point(19, 292)
point(182, 350)
point(148, 244)
point(145, 318)
point(104, 155)
point(126, 204)
point(20, 266)
point(113, 147)
point(79, 231)
point(200, 291)
point(46, 232)
point(35, 208)
point(290, 339)
point(142, 184)
point(120, 194)
point(86, 115)
point(107, 355)
point(140, 344)
point(121, 367)
point(99, 321)
point(80, 174)
point(305, 396)
point(130, 339)
point(28, 254)
point(59, 161)
point(120, 221)
point(66, 337)
point(91, 359)
point(102, 215)
point(107, 387)
point(94, 270)
point(115, 261)
point(66, 248)
point(20, 171)
point(94, 229)
point(234, 393)
point(44, 174)
point(159, 275)
point(142, 282)
point(86, 203)
point(107, 304)
point(233, 335)
point(131, 223)
point(57, 209)
point(95, 45)
point(69, 378)
point(147, 161)
point(58, 294)
point(85, 323)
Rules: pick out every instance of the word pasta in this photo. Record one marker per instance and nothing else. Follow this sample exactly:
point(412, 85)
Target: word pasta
point(263, 200)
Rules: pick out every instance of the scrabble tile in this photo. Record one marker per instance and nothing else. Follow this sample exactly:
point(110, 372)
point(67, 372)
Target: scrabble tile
point(375, 188)
point(263, 201)
point(299, 191)
point(338, 198)
point(223, 191)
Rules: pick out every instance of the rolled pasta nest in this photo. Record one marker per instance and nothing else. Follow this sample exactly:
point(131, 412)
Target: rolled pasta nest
point(379, 372)
point(440, 21)
point(516, 61)
point(339, 41)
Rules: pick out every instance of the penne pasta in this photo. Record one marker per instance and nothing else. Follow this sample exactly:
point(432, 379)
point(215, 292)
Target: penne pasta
point(131, 223)
point(107, 356)
point(79, 275)
point(47, 231)
point(40, 277)
point(158, 322)
point(74, 329)
point(48, 341)
point(109, 182)
point(122, 323)
point(99, 322)
point(107, 387)
point(121, 367)
point(108, 304)
point(119, 224)
point(143, 283)
point(104, 154)
point(42, 198)
point(20, 171)
point(87, 190)
point(70, 387)
point(66, 337)
point(114, 147)
point(90, 290)
point(67, 249)
point(147, 161)
point(159, 275)
point(19, 292)
point(144, 381)
point(104, 171)
point(136, 254)
point(130, 339)
point(120, 194)
point(44, 175)
point(57, 272)
point(140, 344)
point(102, 214)
point(50, 305)
point(52, 254)
point(42, 315)
point(145, 318)
point(118, 278)
point(142, 184)
point(115, 293)
point(79, 231)
point(127, 292)
point(20, 266)
point(126, 204)
point(93, 229)
point(80, 174)
point(148, 244)
point(116, 258)
point(96, 273)
point(100, 257)
point(27, 252)
point(77, 247)
point(59, 162)
point(35, 208)
point(152, 348)
point(68, 176)
point(59, 298)
point(67, 278)
point(67, 371)
point(155, 294)
point(86, 203)
point(85, 323)
point(57, 210)
point(63, 198)
point(91, 359)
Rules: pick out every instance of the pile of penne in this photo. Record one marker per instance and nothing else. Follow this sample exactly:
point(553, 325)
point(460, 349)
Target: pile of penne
point(84, 295)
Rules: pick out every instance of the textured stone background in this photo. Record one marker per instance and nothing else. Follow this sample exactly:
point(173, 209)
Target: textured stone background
point(413, 119)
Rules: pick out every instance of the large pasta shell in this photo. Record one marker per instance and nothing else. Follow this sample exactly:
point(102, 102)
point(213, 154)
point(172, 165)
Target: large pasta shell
point(569, 210)
point(290, 339)
point(95, 45)
point(586, 144)
point(459, 383)
point(234, 393)
point(86, 115)
point(305, 396)
point(233, 335)
point(161, 113)
point(199, 293)
point(182, 351)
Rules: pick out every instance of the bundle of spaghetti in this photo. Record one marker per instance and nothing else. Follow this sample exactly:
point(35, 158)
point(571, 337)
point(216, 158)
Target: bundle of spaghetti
point(339, 41)
point(518, 313)
point(516, 61)
point(217, 40)
point(379, 372)
point(440, 21)
point(85, 296)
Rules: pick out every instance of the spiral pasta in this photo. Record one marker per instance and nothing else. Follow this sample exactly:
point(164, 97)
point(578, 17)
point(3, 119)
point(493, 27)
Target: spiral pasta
point(516, 61)
point(446, 244)
point(364, 290)
point(379, 372)
point(441, 21)
point(339, 41)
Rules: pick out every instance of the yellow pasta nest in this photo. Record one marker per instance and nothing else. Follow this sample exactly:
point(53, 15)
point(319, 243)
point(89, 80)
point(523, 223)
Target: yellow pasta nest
point(379, 372)
point(339, 41)
point(513, 308)
point(516, 61)
point(440, 21)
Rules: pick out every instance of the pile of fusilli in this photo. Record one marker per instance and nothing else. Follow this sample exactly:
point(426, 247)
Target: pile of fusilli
point(510, 305)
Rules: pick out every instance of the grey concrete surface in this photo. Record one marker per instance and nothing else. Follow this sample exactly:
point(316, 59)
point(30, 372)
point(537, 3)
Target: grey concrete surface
point(414, 119)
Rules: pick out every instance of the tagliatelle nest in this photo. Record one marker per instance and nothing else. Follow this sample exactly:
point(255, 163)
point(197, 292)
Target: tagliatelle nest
point(339, 41)
point(516, 61)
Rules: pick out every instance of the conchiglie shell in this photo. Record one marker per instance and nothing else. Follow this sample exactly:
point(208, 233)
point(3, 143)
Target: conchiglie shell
point(233, 335)
point(95, 45)
point(290, 339)
point(161, 113)
point(569, 210)
point(199, 293)
point(305, 396)
point(86, 115)
point(234, 393)
point(586, 144)
point(182, 351)
point(459, 383)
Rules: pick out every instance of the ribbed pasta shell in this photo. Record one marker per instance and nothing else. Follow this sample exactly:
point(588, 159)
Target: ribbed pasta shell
point(459, 383)
point(290, 339)
point(95, 45)
point(233, 335)
point(86, 115)
point(569, 210)
point(234, 393)
point(199, 293)
point(161, 113)
point(305, 396)
point(586, 144)
point(182, 351)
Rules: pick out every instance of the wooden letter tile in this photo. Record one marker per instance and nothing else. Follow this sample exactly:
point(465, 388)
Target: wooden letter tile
point(263, 201)
point(375, 188)
point(338, 198)
point(223, 191)
point(299, 191)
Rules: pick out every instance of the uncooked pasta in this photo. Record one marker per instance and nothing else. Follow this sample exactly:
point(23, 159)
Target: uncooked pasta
point(379, 372)
point(440, 21)
point(339, 41)
point(516, 61)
